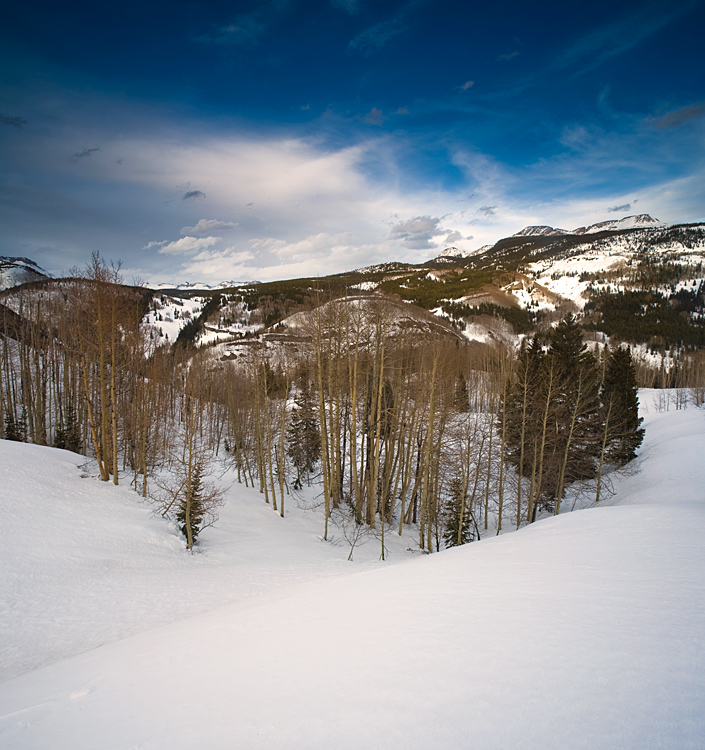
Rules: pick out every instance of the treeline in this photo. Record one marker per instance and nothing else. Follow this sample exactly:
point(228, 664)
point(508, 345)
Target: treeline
point(398, 423)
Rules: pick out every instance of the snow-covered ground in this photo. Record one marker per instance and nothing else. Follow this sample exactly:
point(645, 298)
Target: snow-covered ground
point(581, 631)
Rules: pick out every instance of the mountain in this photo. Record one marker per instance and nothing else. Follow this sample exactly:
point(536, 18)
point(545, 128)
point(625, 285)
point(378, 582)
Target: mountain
point(539, 231)
point(453, 253)
point(639, 221)
point(187, 286)
point(16, 271)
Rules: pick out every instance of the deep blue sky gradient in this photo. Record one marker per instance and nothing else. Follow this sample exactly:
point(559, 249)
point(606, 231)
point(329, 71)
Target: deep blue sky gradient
point(319, 136)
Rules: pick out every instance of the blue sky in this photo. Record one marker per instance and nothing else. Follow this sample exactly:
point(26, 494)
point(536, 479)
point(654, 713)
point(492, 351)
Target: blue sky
point(212, 141)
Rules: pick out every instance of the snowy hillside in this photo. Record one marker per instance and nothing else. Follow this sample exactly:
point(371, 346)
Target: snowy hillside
point(15, 271)
point(581, 631)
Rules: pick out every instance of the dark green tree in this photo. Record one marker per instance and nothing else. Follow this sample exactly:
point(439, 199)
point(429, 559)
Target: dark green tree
point(13, 428)
point(620, 399)
point(457, 517)
point(68, 434)
point(303, 437)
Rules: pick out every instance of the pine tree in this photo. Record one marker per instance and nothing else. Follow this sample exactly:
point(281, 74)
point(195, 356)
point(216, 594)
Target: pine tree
point(457, 516)
point(13, 428)
point(191, 509)
point(461, 398)
point(68, 434)
point(303, 437)
point(577, 430)
point(619, 393)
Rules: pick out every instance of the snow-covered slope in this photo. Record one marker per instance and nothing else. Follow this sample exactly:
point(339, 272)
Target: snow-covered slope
point(582, 631)
point(15, 271)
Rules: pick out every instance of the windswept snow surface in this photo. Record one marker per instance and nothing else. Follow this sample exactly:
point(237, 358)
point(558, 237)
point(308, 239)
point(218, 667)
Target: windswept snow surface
point(581, 631)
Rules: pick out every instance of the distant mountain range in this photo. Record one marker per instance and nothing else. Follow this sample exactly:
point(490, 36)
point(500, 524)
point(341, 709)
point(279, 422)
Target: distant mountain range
point(639, 221)
point(187, 286)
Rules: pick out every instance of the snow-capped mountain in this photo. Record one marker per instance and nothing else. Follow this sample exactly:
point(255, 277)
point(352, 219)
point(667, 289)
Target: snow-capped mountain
point(16, 271)
point(187, 286)
point(540, 230)
point(453, 252)
point(638, 221)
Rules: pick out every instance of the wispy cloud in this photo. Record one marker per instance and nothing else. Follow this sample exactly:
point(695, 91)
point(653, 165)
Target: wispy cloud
point(14, 122)
point(350, 6)
point(509, 55)
point(619, 209)
point(680, 116)
point(206, 226)
point(487, 210)
point(84, 153)
point(193, 194)
point(373, 39)
point(188, 245)
point(467, 85)
point(613, 39)
point(246, 28)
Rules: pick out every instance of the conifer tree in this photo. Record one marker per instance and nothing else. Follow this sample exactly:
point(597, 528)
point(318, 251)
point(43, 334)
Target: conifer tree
point(13, 428)
point(457, 516)
point(303, 437)
point(619, 391)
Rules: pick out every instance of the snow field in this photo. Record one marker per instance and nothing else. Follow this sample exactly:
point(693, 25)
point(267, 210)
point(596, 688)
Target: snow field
point(582, 631)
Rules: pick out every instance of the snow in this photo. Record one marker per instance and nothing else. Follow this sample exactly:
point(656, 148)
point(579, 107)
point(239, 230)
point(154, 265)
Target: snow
point(581, 631)
point(169, 317)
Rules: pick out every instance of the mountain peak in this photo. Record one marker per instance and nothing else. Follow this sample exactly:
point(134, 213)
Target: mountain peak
point(16, 271)
point(637, 221)
point(539, 230)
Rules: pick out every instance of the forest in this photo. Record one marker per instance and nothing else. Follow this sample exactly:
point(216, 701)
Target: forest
point(395, 420)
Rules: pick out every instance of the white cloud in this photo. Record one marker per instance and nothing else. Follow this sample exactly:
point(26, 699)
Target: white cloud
point(154, 243)
point(188, 245)
point(206, 226)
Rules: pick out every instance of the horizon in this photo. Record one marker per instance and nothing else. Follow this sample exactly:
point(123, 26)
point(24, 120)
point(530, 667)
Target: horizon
point(290, 140)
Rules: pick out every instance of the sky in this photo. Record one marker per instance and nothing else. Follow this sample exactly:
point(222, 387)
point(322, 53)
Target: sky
point(216, 141)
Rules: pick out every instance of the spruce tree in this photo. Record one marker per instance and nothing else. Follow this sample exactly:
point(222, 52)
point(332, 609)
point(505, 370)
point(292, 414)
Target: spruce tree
point(457, 517)
point(68, 434)
point(577, 430)
point(619, 395)
point(13, 428)
point(191, 507)
point(303, 437)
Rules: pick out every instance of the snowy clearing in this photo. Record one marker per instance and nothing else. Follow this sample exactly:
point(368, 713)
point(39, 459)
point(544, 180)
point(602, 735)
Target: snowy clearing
point(581, 631)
